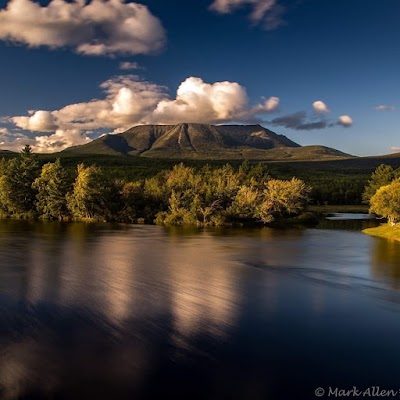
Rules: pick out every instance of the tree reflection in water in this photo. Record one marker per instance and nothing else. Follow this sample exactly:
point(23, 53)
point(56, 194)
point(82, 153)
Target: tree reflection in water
point(385, 261)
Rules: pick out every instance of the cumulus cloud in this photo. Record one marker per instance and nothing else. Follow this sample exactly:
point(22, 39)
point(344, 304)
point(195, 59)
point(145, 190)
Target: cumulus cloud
point(128, 65)
point(130, 101)
point(7, 137)
point(127, 101)
point(345, 120)
point(41, 121)
point(219, 102)
point(199, 101)
point(269, 105)
point(59, 140)
point(267, 13)
point(320, 107)
point(384, 107)
point(96, 27)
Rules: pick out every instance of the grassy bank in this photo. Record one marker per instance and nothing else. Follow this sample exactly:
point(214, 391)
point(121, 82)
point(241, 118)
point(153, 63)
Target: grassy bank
point(385, 231)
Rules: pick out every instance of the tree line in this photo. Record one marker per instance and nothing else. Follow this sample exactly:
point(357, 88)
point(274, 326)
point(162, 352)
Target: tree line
point(179, 196)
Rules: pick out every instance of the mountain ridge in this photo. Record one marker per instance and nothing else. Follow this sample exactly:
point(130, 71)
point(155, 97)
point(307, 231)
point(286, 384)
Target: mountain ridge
point(203, 141)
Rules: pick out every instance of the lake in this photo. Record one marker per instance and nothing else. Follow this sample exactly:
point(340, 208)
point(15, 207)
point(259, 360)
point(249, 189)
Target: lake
point(101, 311)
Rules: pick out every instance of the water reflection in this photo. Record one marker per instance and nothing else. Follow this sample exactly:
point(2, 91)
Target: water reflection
point(101, 311)
point(347, 222)
point(349, 216)
point(385, 261)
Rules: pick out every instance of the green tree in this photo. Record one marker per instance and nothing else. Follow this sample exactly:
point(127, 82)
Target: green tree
point(52, 187)
point(178, 212)
point(17, 194)
point(93, 195)
point(255, 175)
point(382, 176)
point(133, 202)
point(285, 197)
point(386, 202)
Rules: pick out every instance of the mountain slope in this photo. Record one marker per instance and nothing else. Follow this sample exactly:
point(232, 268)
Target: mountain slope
point(201, 141)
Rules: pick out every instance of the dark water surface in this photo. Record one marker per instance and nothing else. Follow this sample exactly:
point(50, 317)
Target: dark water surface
point(142, 312)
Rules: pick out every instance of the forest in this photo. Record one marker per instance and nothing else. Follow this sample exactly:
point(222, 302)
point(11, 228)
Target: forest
point(129, 189)
point(179, 195)
point(331, 183)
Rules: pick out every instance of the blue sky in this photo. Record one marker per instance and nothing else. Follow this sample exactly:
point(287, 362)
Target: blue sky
point(314, 70)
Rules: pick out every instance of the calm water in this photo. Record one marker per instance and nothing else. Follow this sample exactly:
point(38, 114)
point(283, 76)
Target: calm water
point(141, 312)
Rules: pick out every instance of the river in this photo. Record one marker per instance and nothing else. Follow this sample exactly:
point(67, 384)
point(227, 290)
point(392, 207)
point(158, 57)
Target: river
point(101, 311)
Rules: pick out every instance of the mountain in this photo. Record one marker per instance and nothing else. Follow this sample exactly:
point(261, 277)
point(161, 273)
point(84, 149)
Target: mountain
point(201, 141)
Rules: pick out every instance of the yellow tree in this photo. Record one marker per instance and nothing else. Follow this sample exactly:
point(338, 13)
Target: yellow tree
point(386, 202)
point(52, 186)
point(286, 197)
point(93, 196)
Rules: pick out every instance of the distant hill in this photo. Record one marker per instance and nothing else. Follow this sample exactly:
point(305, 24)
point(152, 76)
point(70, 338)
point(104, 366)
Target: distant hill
point(7, 153)
point(201, 141)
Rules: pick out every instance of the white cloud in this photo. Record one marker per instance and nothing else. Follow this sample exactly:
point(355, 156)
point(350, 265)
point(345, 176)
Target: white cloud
point(94, 28)
point(128, 65)
point(320, 107)
point(384, 107)
point(345, 121)
point(198, 101)
point(57, 141)
point(395, 149)
point(6, 137)
point(267, 13)
point(219, 102)
point(40, 121)
point(269, 105)
point(129, 101)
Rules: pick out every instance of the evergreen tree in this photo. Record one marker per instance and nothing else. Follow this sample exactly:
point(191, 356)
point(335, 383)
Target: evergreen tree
point(17, 194)
point(133, 202)
point(52, 187)
point(93, 195)
point(254, 174)
point(382, 176)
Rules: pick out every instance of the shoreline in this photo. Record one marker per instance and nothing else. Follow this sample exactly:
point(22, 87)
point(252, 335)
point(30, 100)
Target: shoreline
point(339, 208)
point(384, 231)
